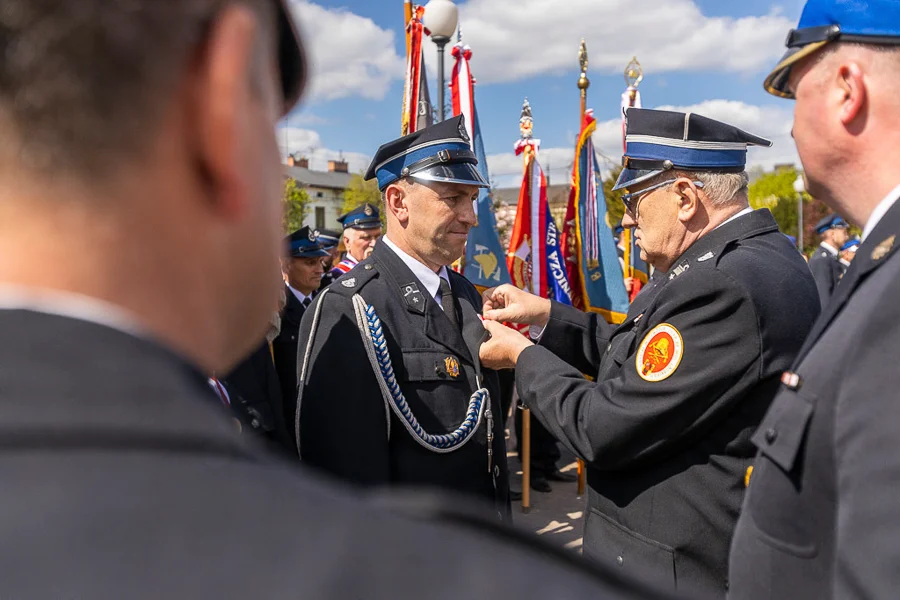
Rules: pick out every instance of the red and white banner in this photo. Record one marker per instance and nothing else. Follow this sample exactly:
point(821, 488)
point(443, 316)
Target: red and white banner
point(462, 86)
point(415, 70)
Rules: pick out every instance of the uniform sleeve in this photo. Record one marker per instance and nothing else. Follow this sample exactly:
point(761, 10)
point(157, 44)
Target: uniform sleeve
point(575, 336)
point(822, 274)
point(343, 423)
point(629, 417)
point(867, 458)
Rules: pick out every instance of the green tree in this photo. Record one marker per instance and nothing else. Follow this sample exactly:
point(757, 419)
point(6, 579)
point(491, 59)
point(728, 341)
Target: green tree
point(296, 205)
point(615, 209)
point(359, 191)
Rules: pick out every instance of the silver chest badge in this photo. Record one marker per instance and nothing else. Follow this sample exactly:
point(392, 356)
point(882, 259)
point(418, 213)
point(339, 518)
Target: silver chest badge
point(705, 257)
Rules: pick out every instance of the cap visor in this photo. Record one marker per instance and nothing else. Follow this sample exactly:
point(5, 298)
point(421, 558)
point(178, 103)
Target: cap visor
point(291, 58)
point(309, 253)
point(776, 82)
point(634, 176)
point(464, 173)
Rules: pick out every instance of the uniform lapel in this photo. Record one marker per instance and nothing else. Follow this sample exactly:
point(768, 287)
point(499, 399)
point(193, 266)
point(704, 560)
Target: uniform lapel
point(881, 243)
point(437, 327)
point(473, 332)
point(293, 310)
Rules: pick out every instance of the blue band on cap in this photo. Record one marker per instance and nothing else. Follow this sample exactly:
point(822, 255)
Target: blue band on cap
point(688, 158)
point(391, 171)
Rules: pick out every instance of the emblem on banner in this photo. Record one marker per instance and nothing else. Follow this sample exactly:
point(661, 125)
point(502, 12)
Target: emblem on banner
point(660, 353)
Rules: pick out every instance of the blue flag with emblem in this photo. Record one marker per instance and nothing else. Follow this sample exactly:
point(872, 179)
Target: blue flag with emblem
point(485, 258)
point(593, 263)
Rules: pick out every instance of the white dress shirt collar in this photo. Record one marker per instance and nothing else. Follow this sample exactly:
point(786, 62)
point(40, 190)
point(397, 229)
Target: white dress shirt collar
point(879, 212)
point(737, 215)
point(300, 295)
point(428, 278)
point(71, 305)
point(829, 248)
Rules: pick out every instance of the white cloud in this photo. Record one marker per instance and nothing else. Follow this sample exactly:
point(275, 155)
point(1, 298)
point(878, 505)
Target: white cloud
point(349, 55)
point(308, 143)
point(770, 122)
point(516, 39)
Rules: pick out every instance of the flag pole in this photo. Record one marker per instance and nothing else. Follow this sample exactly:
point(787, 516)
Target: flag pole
point(634, 74)
point(407, 16)
point(583, 84)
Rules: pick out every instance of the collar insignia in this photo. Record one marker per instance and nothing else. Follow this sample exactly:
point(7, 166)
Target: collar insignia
point(882, 249)
point(413, 297)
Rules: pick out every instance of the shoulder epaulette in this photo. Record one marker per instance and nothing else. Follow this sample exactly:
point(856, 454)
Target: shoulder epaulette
point(351, 282)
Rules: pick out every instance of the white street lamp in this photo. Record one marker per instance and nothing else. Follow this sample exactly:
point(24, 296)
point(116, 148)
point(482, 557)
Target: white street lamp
point(799, 187)
point(441, 18)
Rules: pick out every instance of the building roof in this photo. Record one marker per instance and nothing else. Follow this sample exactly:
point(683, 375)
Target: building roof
point(321, 179)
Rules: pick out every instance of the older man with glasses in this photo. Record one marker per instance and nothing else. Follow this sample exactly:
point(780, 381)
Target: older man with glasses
point(681, 385)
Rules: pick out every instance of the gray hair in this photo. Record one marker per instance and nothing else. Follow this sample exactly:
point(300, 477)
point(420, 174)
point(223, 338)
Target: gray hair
point(84, 83)
point(723, 189)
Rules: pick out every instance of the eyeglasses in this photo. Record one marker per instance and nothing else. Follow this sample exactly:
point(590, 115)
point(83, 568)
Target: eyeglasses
point(633, 199)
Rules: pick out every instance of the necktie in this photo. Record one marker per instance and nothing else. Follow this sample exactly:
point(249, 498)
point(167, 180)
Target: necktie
point(306, 302)
point(447, 302)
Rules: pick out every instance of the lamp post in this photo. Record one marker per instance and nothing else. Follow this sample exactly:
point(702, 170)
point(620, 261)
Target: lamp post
point(799, 187)
point(441, 18)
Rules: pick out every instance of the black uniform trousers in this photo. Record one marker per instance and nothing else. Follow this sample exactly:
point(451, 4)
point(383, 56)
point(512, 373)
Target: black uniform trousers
point(821, 517)
point(346, 428)
point(680, 387)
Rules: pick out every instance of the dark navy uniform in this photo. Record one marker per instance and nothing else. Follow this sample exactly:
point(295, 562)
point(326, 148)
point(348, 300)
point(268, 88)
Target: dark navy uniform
point(825, 263)
point(680, 386)
point(256, 398)
point(343, 419)
point(347, 426)
point(302, 243)
point(821, 518)
point(329, 240)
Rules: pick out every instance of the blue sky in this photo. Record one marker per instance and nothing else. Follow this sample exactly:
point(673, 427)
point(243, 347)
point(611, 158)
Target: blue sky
point(705, 55)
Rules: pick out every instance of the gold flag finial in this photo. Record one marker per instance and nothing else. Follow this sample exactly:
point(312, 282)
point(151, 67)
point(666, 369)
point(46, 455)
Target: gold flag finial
point(526, 121)
point(583, 82)
point(634, 73)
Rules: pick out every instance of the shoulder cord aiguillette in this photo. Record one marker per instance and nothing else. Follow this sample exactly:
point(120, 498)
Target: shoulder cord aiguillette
point(376, 349)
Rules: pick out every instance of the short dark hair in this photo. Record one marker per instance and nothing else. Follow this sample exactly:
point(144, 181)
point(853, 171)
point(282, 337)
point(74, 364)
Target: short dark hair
point(83, 82)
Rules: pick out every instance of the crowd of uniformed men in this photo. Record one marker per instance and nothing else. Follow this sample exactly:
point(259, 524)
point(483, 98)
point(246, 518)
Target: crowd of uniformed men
point(739, 428)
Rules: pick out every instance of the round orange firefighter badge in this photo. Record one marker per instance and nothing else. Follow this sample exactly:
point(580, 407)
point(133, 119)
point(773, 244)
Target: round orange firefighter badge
point(660, 353)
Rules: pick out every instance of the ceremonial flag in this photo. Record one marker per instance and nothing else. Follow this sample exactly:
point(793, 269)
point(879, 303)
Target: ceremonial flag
point(483, 266)
point(417, 111)
point(534, 257)
point(592, 262)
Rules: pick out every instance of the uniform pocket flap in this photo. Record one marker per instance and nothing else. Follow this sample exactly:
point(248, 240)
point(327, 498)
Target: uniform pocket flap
point(424, 365)
point(780, 436)
point(620, 547)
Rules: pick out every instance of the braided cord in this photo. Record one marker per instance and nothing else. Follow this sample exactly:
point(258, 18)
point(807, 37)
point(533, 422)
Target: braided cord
point(376, 349)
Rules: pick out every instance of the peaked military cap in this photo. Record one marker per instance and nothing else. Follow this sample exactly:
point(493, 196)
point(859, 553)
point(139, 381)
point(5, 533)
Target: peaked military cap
point(364, 216)
point(328, 238)
point(851, 244)
point(832, 221)
point(302, 244)
point(659, 140)
point(825, 21)
point(441, 152)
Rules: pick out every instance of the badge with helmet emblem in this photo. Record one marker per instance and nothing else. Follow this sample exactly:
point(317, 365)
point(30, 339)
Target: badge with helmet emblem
point(368, 210)
point(660, 353)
